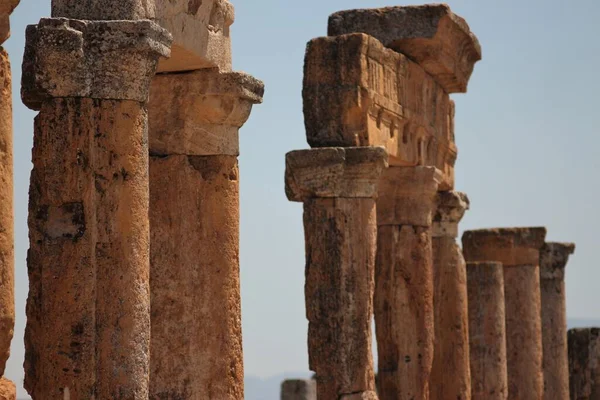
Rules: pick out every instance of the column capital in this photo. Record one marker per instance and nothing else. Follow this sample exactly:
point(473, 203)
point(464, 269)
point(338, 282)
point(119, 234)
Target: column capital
point(450, 208)
point(104, 10)
point(510, 246)
point(407, 196)
point(432, 35)
point(553, 259)
point(6, 8)
point(347, 172)
point(200, 113)
point(94, 59)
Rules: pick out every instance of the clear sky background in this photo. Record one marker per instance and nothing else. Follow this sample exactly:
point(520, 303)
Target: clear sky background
point(527, 133)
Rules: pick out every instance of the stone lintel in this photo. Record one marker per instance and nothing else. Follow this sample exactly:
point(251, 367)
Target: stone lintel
point(200, 113)
point(201, 34)
point(95, 10)
point(94, 59)
point(553, 259)
point(299, 389)
point(407, 196)
point(510, 246)
point(431, 35)
point(346, 172)
point(6, 8)
point(450, 208)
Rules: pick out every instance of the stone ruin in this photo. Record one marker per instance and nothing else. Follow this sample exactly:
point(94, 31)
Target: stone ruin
point(140, 109)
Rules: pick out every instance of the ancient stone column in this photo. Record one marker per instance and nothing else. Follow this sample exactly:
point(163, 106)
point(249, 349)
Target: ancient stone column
point(518, 249)
point(196, 349)
point(404, 317)
point(88, 311)
point(7, 263)
point(450, 376)
point(487, 332)
point(553, 259)
point(584, 363)
point(299, 389)
point(338, 187)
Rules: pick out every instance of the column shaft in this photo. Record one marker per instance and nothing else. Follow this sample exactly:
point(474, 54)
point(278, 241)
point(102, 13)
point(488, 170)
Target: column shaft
point(584, 366)
point(299, 390)
point(487, 332)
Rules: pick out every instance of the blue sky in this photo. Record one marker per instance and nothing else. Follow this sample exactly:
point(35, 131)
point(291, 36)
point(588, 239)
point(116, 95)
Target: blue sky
point(527, 133)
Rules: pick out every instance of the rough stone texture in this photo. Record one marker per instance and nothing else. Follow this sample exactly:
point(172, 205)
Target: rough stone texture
point(103, 9)
point(340, 257)
point(437, 39)
point(96, 59)
point(553, 259)
point(8, 390)
point(404, 316)
point(334, 172)
point(7, 266)
point(450, 374)
point(201, 37)
point(487, 332)
point(584, 363)
point(518, 249)
point(358, 93)
point(88, 311)
point(196, 348)
point(199, 113)
point(6, 8)
point(305, 389)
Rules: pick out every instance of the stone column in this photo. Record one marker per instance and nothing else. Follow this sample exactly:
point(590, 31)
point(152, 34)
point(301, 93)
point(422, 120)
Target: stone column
point(403, 300)
point(196, 349)
point(518, 249)
point(299, 389)
point(7, 262)
point(553, 259)
point(88, 311)
point(338, 187)
point(584, 363)
point(487, 332)
point(450, 375)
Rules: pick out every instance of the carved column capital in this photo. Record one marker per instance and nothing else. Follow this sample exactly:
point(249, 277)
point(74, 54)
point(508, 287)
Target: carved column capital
point(450, 208)
point(554, 258)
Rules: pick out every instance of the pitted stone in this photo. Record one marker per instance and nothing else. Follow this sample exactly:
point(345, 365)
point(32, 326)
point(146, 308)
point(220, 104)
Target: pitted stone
point(96, 59)
point(201, 34)
point(347, 172)
point(6, 8)
point(100, 10)
point(407, 196)
point(8, 390)
point(553, 259)
point(510, 246)
point(359, 93)
point(432, 35)
point(200, 113)
point(450, 208)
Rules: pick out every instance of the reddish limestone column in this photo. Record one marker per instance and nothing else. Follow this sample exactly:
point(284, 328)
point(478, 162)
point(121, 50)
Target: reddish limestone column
point(553, 259)
point(88, 311)
point(487, 332)
point(584, 363)
point(338, 187)
point(518, 249)
point(450, 376)
point(196, 341)
point(403, 300)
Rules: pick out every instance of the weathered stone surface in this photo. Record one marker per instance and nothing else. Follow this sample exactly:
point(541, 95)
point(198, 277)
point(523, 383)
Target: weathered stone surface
point(196, 348)
point(334, 172)
point(553, 259)
point(96, 59)
point(103, 9)
point(6, 8)
point(201, 36)
point(8, 390)
point(450, 374)
point(340, 258)
point(370, 395)
point(518, 249)
point(407, 196)
point(432, 35)
point(584, 363)
point(358, 93)
point(199, 113)
point(7, 266)
point(304, 389)
point(487, 332)
point(88, 311)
